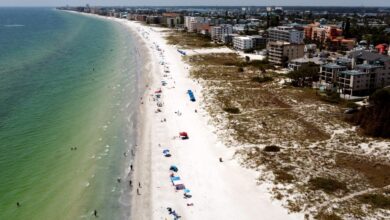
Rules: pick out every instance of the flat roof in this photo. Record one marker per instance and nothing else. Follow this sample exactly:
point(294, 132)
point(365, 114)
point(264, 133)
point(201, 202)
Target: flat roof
point(351, 72)
point(333, 66)
point(368, 66)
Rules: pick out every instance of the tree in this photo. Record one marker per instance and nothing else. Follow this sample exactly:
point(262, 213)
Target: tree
point(306, 73)
point(284, 61)
point(347, 27)
point(375, 118)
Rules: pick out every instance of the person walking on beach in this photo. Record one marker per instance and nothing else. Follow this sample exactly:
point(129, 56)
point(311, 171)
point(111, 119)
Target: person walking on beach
point(95, 213)
point(131, 183)
point(138, 192)
point(139, 184)
point(131, 167)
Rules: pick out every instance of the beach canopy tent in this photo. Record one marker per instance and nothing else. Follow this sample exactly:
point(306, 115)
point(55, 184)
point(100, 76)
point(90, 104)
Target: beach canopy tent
point(175, 178)
point(191, 95)
point(173, 168)
point(183, 135)
point(177, 182)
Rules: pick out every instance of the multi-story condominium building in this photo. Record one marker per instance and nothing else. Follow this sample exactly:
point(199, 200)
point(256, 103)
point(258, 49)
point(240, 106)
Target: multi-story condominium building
point(322, 33)
point(368, 72)
point(218, 31)
point(362, 80)
point(242, 43)
point(328, 73)
point(248, 42)
point(285, 33)
point(259, 42)
point(191, 23)
point(228, 38)
point(171, 19)
point(281, 52)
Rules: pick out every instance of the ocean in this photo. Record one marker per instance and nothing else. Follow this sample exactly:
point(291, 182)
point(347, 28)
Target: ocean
point(68, 103)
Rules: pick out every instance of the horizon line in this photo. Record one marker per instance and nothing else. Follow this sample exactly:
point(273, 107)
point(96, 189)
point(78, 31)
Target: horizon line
point(303, 6)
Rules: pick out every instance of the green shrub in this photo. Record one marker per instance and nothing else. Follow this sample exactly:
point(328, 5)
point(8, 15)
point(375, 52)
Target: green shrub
point(376, 200)
point(271, 148)
point(262, 79)
point(327, 185)
point(283, 176)
point(232, 110)
point(327, 216)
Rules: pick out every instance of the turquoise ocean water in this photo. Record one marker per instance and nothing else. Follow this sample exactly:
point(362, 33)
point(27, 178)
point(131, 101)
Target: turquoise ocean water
point(66, 81)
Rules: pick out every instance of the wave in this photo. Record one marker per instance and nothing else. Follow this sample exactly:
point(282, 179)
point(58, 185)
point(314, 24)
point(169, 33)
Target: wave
point(13, 25)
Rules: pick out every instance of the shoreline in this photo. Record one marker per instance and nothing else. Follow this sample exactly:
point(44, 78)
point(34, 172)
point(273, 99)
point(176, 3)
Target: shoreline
point(220, 190)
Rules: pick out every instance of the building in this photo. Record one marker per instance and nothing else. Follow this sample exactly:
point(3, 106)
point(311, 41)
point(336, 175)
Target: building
point(340, 43)
point(319, 32)
point(243, 43)
point(259, 42)
point(192, 23)
point(218, 31)
point(228, 38)
point(295, 64)
point(364, 79)
point(202, 28)
point(239, 28)
point(154, 19)
point(329, 73)
point(382, 48)
point(367, 72)
point(280, 52)
point(247, 43)
point(285, 33)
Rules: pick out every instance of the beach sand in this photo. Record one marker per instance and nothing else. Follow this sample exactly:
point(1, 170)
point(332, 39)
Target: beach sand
point(220, 190)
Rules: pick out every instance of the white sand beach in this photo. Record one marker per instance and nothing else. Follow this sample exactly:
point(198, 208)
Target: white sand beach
point(219, 190)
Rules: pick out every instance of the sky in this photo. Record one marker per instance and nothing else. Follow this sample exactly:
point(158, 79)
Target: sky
point(370, 3)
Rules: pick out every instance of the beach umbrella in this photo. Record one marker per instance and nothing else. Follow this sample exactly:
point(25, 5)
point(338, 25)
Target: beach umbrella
point(187, 191)
point(165, 151)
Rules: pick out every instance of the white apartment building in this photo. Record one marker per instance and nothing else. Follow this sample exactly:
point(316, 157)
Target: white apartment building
point(218, 31)
point(286, 33)
point(242, 43)
point(191, 23)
